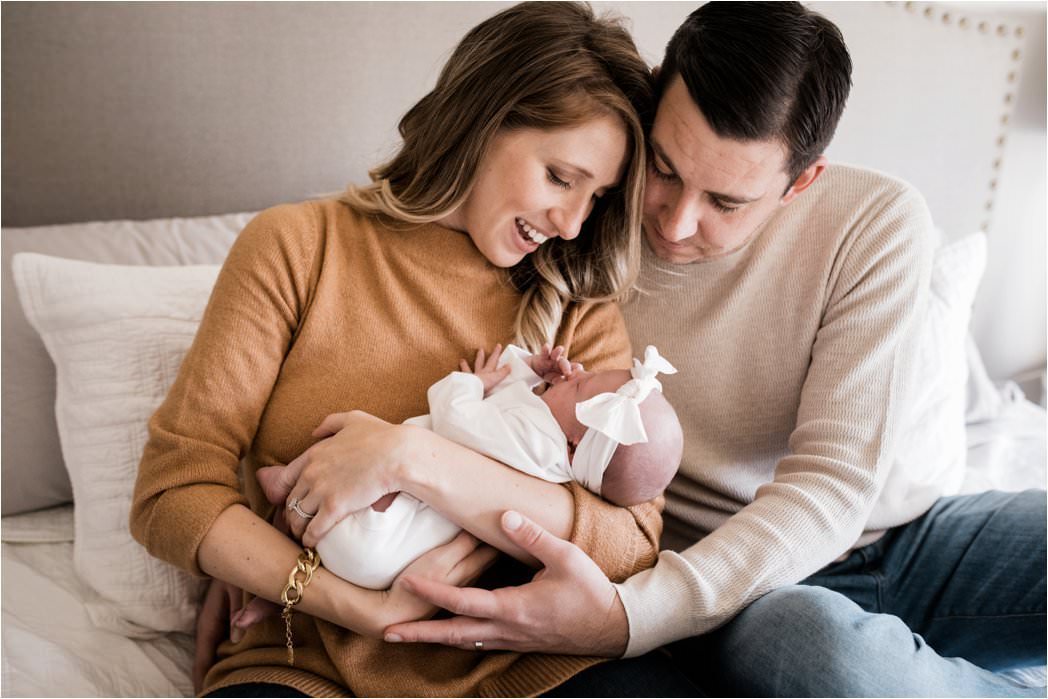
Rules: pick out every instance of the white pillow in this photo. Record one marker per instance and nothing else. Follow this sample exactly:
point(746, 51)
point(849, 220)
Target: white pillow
point(117, 335)
point(934, 448)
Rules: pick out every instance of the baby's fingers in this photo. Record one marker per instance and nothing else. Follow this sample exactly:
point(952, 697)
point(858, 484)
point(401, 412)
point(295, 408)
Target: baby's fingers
point(493, 360)
point(464, 366)
point(478, 362)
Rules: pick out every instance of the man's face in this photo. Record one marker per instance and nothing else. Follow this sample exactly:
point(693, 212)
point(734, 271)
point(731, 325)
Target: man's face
point(706, 196)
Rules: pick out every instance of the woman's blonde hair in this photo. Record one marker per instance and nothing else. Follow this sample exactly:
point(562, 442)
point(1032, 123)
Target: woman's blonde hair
point(539, 65)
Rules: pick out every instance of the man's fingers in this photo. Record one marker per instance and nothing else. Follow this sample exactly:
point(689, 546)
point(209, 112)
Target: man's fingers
point(461, 632)
point(548, 549)
point(466, 601)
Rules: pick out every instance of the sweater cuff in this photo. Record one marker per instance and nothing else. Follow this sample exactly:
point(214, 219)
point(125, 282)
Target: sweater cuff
point(189, 511)
point(658, 604)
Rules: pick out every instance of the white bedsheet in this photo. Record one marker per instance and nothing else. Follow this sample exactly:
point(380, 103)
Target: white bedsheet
point(51, 649)
point(50, 646)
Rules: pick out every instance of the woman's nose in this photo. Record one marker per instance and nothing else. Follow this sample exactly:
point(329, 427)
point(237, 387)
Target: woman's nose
point(568, 220)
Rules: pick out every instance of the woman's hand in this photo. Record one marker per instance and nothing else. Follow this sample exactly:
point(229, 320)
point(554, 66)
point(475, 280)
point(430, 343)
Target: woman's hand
point(458, 562)
point(360, 459)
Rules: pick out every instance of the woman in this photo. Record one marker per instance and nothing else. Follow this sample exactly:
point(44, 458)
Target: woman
point(511, 213)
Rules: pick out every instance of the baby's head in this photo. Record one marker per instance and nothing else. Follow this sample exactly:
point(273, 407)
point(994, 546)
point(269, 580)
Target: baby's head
point(636, 472)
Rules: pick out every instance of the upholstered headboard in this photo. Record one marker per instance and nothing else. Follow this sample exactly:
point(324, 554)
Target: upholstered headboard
point(146, 110)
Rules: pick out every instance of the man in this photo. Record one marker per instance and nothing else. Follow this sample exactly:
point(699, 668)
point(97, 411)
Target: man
point(790, 294)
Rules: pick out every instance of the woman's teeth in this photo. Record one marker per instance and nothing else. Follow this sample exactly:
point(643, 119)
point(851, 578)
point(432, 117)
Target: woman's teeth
point(533, 234)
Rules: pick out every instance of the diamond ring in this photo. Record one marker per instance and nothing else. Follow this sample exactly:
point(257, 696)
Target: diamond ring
point(294, 507)
point(478, 645)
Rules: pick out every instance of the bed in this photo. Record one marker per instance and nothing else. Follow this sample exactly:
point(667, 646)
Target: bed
point(133, 130)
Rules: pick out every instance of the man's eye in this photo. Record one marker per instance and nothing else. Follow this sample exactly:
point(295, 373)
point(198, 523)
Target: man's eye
point(661, 174)
point(722, 207)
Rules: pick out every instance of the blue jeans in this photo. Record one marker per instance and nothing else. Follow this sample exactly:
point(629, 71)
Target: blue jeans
point(935, 608)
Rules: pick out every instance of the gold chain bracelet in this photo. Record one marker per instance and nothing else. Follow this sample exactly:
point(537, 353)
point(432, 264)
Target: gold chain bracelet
point(301, 575)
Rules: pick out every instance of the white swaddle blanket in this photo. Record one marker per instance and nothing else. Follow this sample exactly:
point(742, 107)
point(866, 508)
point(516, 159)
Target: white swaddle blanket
point(511, 425)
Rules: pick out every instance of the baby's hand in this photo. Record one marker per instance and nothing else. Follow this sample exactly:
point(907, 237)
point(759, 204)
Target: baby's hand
point(489, 372)
point(550, 364)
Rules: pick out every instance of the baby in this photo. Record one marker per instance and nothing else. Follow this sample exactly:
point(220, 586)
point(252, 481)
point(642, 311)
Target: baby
point(612, 431)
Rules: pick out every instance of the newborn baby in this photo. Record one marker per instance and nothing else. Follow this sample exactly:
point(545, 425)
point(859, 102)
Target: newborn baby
point(612, 431)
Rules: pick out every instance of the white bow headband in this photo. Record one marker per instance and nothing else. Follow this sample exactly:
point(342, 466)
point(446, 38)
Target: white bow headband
point(614, 419)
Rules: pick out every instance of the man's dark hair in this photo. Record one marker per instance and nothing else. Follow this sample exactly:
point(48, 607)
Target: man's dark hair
point(760, 71)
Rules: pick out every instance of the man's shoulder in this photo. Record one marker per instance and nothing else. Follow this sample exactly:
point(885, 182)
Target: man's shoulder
point(849, 198)
point(845, 189)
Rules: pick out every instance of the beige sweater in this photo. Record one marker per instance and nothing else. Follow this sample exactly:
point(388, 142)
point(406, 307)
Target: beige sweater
point(795, 358)
point(317, 311)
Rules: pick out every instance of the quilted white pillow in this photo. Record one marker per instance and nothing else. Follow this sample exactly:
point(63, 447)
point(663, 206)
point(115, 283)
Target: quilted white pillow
point(934, 448)
point(117, 335)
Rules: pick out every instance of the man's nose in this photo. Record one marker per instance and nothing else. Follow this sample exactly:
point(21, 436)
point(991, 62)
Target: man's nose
point(681, 219)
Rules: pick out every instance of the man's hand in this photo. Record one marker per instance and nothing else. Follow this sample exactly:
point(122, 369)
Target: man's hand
point(458, 562)
point(569, 607)
point(487, 370)
point(221, 603)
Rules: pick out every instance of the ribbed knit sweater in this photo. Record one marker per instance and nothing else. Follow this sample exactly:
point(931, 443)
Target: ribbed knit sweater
point(318, 310)
point(795, 357)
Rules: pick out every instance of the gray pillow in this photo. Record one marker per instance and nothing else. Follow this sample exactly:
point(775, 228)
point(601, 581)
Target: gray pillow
point(34, 475)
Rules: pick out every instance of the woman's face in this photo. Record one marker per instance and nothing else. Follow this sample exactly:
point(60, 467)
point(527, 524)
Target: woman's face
point(534, 185)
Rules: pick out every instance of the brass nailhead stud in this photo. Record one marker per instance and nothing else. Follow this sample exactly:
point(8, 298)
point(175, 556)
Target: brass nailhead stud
point(928, 12)
point(962, 23)
point(984, 27)
point(1011, 77)
point(908, 6)
point(946, 18)
point(1002, 30)
point(1004, 119)
point(993, 184)
point(1001, 139)
point(1019, 32)
point(1008, 97)
point(989, 205)
point(997, 164)
point(1017, 54)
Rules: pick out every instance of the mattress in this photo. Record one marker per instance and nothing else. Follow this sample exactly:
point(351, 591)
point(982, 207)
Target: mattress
point(51, 648)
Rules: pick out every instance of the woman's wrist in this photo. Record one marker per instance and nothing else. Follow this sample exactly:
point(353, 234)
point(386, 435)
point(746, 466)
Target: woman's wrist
point(414, 458)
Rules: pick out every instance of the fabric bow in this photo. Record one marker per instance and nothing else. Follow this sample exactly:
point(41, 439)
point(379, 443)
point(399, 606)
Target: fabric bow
point(614, 419)
point(617, 415)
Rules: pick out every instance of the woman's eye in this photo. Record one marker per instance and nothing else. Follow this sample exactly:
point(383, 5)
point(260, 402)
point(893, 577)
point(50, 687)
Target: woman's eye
point(563, 184)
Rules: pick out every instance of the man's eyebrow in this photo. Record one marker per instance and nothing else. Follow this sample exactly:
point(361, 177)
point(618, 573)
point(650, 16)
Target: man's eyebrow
point(719, 196)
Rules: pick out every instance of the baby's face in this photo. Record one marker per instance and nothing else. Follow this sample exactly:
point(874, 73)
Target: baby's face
point(564, 394)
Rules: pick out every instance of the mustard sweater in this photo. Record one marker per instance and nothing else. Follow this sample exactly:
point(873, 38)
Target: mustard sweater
point(319, 310)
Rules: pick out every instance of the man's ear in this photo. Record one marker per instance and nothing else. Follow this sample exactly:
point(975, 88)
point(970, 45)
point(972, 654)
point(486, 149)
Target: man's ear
point(805, 180)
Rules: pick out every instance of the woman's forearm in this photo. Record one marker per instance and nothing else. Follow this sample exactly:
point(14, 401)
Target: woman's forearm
point(473, 491)
point(243, 549)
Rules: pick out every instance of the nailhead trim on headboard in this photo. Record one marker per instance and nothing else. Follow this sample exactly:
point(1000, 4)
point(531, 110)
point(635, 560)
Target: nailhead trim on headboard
point(1008, 33)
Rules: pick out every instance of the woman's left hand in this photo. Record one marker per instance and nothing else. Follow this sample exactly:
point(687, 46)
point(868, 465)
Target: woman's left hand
point(359, 460)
